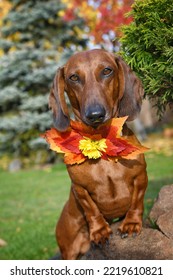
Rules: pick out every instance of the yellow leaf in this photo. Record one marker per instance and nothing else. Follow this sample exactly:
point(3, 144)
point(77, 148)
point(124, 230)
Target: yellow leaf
point(61, 13)
point(1, 52)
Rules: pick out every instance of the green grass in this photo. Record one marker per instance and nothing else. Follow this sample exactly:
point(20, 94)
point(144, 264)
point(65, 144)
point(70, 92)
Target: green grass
point(160, 173)
point(31, 201)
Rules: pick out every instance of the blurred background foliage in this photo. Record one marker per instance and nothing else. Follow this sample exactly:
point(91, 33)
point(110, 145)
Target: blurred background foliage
point(34, 42)
point(37, 37)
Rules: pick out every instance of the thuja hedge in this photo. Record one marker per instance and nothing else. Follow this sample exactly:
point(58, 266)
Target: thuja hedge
point(147, 46)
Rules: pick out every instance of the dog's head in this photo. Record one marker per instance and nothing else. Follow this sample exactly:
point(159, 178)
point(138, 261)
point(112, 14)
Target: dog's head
point(99, 86)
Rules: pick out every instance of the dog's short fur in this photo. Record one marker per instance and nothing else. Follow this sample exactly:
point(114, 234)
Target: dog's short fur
point(99, 86)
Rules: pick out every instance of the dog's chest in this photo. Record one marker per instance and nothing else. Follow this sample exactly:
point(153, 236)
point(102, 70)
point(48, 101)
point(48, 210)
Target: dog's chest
point(102, 177)
point(108, 183)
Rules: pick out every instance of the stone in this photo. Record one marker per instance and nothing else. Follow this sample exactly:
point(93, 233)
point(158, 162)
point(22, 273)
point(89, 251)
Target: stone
point(151, 244)
point(15, 165)
point(163, 204)
point(165, 224)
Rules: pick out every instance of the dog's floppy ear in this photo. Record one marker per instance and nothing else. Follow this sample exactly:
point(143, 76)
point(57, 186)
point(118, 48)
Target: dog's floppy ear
point(131, 91)
point(57, 102)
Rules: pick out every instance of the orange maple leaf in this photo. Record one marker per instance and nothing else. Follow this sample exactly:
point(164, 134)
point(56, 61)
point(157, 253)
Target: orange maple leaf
point(81, 142)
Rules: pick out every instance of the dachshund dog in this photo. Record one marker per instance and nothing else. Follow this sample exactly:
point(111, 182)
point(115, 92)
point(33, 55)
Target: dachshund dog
point(99, 86)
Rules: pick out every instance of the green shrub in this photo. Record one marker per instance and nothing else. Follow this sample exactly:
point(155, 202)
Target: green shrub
point(147, 46)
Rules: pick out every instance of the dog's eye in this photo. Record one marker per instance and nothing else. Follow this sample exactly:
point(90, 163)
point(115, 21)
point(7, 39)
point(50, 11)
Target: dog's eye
point(74, 78)
point(107, 71)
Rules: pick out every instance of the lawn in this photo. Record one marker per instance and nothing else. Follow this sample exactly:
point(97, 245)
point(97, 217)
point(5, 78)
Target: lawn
point(31, 201)
point(160, 173)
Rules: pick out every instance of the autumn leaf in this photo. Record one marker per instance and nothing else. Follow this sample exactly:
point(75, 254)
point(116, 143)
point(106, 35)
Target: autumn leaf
point(72, 158)
point(81, 142)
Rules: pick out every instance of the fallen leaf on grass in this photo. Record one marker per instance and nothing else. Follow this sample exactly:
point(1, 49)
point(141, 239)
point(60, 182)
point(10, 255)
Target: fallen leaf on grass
point(3, 243)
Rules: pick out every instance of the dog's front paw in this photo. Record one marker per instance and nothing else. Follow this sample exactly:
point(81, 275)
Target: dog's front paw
point(131, 225)
point(127, 229)
point(99, 230)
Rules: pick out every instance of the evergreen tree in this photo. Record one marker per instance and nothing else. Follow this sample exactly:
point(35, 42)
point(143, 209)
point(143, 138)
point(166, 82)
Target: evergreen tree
point(35, 41)
point(147, 45)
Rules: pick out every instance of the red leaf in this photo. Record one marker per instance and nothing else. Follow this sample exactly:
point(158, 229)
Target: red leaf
point(81, 128)
point(72, 144)
point(112, 149)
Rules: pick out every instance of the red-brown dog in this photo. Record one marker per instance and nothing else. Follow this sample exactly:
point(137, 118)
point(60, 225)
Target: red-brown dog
point(100, 86)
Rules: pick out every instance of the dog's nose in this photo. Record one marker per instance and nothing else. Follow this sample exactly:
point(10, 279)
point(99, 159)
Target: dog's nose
point(95, 114)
